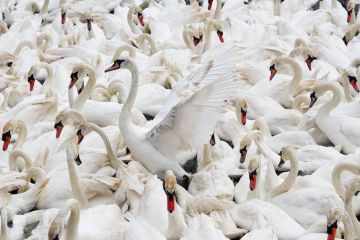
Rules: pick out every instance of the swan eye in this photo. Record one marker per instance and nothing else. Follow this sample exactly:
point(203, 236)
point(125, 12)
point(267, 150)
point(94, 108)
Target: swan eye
point(9, 64)
point(112, 11)
point(212, 140)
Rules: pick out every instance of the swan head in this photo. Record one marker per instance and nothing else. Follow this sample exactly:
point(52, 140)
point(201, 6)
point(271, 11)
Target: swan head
point(79, 69)
point(349, 9)
point(170, 187)
point(241, 107)
point(244, 145)
point(216, 26)
point(139, 14)
point(6, 134)
point(87, 18)
point(310, 58)
point(286, 154)
point(252, 168)
point(31, 77)
point(332, 222)
point(118, 63)
point(273, 70)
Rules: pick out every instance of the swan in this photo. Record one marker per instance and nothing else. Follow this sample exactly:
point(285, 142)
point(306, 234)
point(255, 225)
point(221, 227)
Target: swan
point(159, 161)
point(15, 126)
point(321, 201)
point(38, 162)
point(93, 187)
point(17, 226)
point(334, 218)
point(49, 82)
point(295, 139)
point(283, 91)
point(24, 202)
point(341, 130)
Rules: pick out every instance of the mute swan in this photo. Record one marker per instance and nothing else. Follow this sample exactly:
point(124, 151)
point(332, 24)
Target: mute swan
point(154, 140)
point(283, 91)
point(334, 217)
point(295, 139)
point(94, 187)
point(321, 201)
point(341, 130)
point(18, 127)
point(24, 202)
point(49, 82)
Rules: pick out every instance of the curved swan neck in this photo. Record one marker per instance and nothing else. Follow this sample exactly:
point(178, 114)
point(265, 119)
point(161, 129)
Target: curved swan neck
point(74, 181)
point(73, 222)
point(297, 51)
point(186, 35)
point(13, 157)
point(261, 125)
point(115, 163)
point(50, 76)
point(20, 128)
point(131, 23)
point(22, 45)
point(346, 86)
point(75, 117)
point(129, 103)
point(296, 69)
point(207, 155)
point(150, 41)
point(301, 103)
point(289, 181)
point(334, 101)
point(350, 191)
point(300, 42)
point(4, 229)
point(217, 14)
point(348, 228)
point(336, 177)
point(86, 93)
point(125, 48)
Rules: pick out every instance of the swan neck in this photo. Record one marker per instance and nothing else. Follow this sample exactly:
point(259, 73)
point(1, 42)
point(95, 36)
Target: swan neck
point(75, 184)
point(127, 48)
point(207, 155)
point(73, 222)
point(131, 23)
point(263, 128)
point(346, 87)
point(334, 101)
point(336, 177)
point(289, 181)
point(22, 45)
point(44, 8)
point(296, 69)
point(13, 166)
point(186, 34)
point(22, 134)
point(217, 14)
point(129, 103)
point(85, 94)
point(4, 229)
point(113, 160)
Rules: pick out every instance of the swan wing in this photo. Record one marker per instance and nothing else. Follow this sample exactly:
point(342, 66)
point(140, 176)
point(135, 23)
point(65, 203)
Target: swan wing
point(203, 76)
point(349, 128)
point(192, 121)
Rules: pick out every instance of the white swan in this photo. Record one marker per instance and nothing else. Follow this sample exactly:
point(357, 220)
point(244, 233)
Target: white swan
point(155, 140)
point(341, 130)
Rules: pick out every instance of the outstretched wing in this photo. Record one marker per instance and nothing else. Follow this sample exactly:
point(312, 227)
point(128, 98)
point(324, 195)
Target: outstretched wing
point(203, 76)
point(191, 122)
